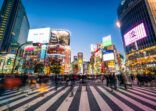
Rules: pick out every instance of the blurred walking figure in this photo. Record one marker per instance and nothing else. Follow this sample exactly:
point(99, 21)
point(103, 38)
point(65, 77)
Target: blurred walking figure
point(113, 81)
point(124, 80)
point(72, 79)
point(56, 82)
point(132, 78)
point(2, 88)
point(107, 80)
point(102, 78)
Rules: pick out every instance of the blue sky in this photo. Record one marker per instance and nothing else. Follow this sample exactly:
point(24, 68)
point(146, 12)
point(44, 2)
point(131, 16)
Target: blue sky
point(87, 20)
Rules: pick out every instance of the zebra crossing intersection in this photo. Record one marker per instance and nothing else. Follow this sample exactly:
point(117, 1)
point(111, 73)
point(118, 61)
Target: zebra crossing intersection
point(80, 98)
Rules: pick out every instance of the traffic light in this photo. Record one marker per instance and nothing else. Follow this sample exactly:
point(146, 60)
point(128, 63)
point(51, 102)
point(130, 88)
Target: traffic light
point(9, 61)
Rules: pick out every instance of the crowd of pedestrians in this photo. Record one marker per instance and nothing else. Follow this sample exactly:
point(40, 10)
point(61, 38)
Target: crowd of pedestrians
point(16, 81)
point(146, 79)
point(112, 80)
point(126, 81)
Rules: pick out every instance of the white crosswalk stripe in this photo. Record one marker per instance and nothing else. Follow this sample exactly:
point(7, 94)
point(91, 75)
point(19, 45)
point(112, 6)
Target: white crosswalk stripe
point(122, 105)
point(139, 97)
point(20, 100)
point(147, 88)
point(143, 94)
point(102, 104)
point(45, 106)
point(141, 106)
point(84, 104)
point(9, 99)
point(15, 97)
point(65, 105)
point(9, 95)
point(9, 92)
point(148, 92)
point(25, 106)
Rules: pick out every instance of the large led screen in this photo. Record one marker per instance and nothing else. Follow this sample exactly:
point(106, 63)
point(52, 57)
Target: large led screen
point(41, 35)
point(60, 36)
point(135, 34)
point(108, 57)
point(107, 41)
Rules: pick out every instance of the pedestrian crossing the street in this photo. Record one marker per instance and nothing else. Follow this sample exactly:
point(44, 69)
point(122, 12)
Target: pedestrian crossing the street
point(80, 98)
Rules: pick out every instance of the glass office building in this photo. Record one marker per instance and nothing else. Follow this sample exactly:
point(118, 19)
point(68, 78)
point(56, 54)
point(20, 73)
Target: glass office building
point(14, 25)
point(138, 29)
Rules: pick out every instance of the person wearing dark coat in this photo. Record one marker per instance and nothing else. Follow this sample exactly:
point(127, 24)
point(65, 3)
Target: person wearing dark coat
point(132, 77)
point(124, 79)
point(107, 80)
point(2, 88)
point(113, 81)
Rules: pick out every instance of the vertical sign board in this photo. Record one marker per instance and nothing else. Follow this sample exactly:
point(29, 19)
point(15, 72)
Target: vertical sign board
point(43, 52)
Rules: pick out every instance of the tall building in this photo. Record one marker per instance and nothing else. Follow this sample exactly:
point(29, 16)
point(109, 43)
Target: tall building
point(138, 29)
point(80, 61)
point(14, 25)
point(59, 48)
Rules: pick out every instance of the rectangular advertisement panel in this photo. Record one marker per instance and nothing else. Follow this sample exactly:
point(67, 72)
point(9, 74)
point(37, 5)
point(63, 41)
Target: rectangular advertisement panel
point(135, 34)
point(60, 37)
point(111, 64)
point(41, 35)
point(107, 41)
point(108, 57)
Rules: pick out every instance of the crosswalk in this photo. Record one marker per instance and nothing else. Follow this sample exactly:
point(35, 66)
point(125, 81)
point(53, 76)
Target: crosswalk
point(80, 98)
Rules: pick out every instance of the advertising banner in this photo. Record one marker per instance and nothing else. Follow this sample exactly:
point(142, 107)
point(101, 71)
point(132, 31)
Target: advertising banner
point(60, 37)
point(41, 35)
point(108, 57)
point(135, 34)
point(107, 41)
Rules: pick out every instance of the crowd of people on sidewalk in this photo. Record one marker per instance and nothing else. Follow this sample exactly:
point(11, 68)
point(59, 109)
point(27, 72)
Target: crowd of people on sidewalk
point(124, 80)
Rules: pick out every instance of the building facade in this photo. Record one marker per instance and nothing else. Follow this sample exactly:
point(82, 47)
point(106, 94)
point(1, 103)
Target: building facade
point(14, 25)
point(80, 62)
point(59, 48)
point(138, 29)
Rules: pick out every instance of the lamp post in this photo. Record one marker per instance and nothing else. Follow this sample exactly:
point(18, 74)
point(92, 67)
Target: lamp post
point(118, 24)
point(14, 63)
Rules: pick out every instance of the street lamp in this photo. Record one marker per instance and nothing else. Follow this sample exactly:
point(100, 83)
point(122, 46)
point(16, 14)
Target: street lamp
point(14, 63)
point(118, 24)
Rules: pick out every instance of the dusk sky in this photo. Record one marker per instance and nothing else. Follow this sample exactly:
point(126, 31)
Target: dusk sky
point(87, 20)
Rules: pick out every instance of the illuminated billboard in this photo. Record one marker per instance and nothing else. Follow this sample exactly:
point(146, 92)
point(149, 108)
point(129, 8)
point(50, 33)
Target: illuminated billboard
point(108, 57)
point(107, 41)
point(43, 52)
point(60, 37)
point(41, 35)
point(135, 34)
point(111, 64)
